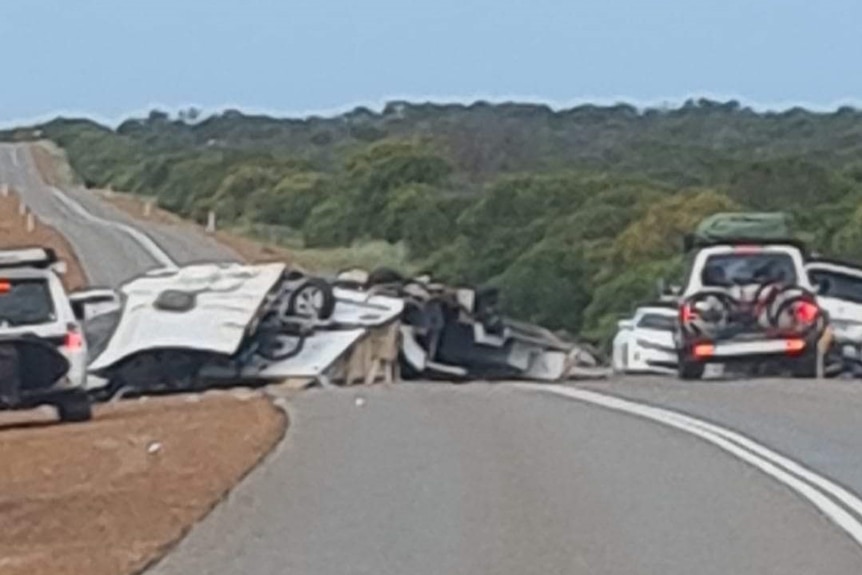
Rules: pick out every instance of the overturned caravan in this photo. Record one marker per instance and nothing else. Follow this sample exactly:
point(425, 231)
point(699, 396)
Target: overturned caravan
point(212, 325)
point(458, 334)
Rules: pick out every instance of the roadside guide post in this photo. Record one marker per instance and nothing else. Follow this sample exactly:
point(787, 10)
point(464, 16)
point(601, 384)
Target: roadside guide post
point(148, 208)
point(22, 208)
point(31, 223)
point(4, 190)
point(211, 222)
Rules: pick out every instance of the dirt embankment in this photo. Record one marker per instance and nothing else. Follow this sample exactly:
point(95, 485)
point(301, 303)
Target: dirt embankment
point(110, 496)
point(14, 234)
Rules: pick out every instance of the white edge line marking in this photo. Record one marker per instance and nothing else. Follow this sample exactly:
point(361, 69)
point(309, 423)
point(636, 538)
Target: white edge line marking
point(772, 464)
point(143, 239)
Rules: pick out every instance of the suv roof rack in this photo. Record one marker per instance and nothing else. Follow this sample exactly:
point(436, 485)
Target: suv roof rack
point(39, 258)
point(691, 242)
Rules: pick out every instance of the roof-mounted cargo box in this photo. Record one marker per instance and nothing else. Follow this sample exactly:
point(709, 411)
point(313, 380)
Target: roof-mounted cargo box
point(744, 228)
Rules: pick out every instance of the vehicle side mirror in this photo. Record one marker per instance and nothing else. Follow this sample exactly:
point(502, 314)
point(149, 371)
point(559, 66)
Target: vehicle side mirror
point(625, 324)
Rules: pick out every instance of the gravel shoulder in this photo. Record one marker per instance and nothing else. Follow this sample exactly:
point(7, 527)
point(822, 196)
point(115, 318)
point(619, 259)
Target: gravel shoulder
point(111, 496)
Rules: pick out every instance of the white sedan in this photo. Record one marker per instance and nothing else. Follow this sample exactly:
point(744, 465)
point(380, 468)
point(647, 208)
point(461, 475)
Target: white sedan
point(645, 343)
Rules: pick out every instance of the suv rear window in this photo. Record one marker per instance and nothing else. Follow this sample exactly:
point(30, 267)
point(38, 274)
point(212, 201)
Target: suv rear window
point(722, 270)
point(837, 285)
point(25, 302)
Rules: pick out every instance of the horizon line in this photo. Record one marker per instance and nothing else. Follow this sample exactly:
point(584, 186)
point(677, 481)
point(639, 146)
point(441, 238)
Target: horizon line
point(378, 106)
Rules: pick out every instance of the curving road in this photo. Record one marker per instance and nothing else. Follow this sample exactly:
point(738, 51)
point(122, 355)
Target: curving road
point(99, 233)
point(485, 479)
point(512, 479)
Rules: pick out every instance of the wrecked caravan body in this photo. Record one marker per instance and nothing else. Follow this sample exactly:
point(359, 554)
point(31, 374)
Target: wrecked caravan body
point(458, 333)
point(208, 325)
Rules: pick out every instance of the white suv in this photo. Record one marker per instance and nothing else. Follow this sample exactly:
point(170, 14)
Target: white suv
point(43, 352)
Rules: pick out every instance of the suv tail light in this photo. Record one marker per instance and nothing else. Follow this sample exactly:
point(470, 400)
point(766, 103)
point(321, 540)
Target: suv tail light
point(74, 339)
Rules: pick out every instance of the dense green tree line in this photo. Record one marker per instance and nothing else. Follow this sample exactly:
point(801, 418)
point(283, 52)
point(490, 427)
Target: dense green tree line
point(575, 213)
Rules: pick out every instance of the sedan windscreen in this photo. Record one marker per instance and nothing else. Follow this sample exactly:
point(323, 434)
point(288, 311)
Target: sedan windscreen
point(724, 270)
point(25, 302)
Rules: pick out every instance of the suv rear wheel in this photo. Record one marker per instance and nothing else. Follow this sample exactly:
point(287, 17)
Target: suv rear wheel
point(75, 407)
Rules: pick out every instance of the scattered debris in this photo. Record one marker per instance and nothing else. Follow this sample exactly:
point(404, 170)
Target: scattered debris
point(459, 333)
point(213, 325)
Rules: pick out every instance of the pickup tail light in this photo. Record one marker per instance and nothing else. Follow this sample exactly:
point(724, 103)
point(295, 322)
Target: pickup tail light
point(794, 346)
point(806, 312)
point(703, 350)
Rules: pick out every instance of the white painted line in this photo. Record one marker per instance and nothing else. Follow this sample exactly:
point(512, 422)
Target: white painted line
point(805, 482)
point(141, 238)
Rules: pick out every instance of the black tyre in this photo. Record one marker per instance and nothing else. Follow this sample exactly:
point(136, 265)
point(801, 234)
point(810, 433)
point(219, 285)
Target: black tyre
point(805, 366)
point(312, 299)
point(690, 370)
point(75, 408)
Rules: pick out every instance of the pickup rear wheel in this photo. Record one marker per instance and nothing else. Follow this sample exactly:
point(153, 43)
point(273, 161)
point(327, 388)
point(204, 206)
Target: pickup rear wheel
point(690, 370)
point(805, 366)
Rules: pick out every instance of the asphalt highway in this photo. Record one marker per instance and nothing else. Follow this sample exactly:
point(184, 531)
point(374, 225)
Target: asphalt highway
point(499, 479)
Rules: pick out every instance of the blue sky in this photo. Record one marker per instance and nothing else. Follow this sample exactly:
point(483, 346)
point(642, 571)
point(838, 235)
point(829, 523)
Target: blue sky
point(109, 58)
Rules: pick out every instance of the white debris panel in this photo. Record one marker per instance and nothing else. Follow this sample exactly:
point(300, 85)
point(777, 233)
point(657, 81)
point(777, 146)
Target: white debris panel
point(227, 299)
point(215, 309)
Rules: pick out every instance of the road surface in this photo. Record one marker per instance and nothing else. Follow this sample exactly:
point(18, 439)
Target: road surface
point(493, 479)
point(502, 479)
point(109, 254)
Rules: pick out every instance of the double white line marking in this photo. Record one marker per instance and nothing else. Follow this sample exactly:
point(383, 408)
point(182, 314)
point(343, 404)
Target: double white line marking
point(142, 239)
point(835, 502)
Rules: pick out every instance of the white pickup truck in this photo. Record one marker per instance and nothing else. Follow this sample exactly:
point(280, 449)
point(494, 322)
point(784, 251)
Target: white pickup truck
point(749, 303)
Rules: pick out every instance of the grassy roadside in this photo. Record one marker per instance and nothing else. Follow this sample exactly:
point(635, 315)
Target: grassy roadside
point(54, 168)
point(367, 255)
